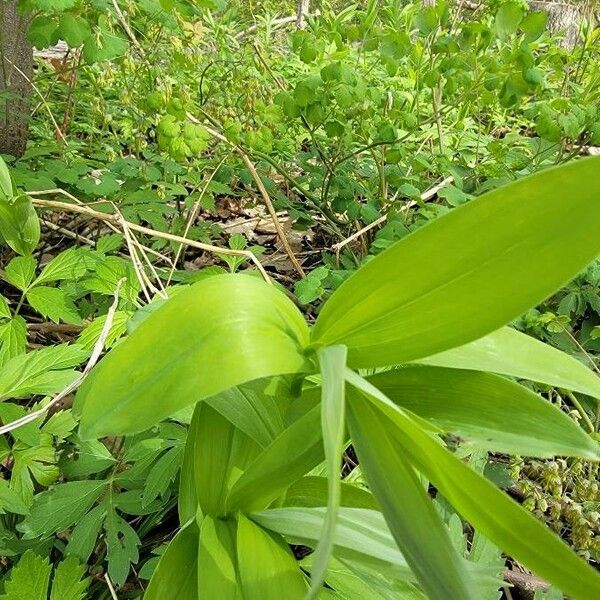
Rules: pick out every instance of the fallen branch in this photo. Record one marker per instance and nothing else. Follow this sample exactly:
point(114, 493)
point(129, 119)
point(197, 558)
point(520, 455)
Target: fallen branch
point(48, 327)
point(115, 221)
point(96, 352)
point(527, 584)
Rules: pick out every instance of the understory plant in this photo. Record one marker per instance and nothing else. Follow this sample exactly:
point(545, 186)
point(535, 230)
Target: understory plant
point(409, 368)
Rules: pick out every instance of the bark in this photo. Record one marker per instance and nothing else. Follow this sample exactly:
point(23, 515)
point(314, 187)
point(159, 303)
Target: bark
point(564, 17)
point(302, 10)
point(16, 54)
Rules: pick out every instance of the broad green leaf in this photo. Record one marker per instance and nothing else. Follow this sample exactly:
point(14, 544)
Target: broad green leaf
point(533, 25)
point(290, 456)
point(253, 329)
point(42, 371)
point(251, 410)
point(20, 271)
point(311, 491)
point(187, 501)
point(410, 515)
point(6, 186)
point(67, 583)
point(217, 569)
point(494, 514)
point(221, 452)
point(361, 534)
point(104, 46)
point(60, 507)
point(468, 272)
point(267, 569)
point(74, 29)
point(510, 352)
point(378, 583)
point(53, 303)
point(176, 575)
point(508, 17)
point(332, 362)
point(494, 412)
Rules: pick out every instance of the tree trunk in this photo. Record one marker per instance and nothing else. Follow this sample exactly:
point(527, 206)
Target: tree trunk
point(564, 17)
point(303, 7)
point(16, 71)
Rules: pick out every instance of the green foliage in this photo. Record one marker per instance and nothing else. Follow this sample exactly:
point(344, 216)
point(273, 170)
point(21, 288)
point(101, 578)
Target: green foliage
point(228, 477)
point(31, 579)
point(374, 130)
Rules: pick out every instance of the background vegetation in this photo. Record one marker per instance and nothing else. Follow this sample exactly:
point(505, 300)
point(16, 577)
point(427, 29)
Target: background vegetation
point(165, 141)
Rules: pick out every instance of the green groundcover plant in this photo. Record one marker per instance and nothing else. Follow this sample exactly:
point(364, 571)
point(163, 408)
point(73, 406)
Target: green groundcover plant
point(413, 346)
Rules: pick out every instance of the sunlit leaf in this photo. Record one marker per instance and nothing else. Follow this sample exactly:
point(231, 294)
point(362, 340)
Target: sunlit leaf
point(510, 352)
point(468, 272)
point(496, 413)
point(252, 328)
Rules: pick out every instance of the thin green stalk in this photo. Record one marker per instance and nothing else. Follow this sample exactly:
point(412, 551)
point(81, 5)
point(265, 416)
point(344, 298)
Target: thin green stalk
point(581, 411)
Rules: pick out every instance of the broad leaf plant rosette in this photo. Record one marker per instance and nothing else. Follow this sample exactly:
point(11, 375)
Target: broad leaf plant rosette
point(274, 399)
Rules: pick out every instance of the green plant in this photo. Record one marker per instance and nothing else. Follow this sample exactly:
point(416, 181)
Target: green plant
point(427, 311)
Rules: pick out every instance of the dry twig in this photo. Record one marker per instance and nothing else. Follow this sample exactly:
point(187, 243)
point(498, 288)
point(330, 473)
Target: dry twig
point(263, 192)
point(114, 221)
point(425, 196)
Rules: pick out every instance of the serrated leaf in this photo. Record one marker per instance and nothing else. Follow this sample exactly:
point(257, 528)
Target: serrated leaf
point(29, 578)
point(67, 583)
point(13, 337)
point(42, 371)
point(60, 507)
point(4, 309)
point(90, 335)
point(162, 474)
point(70, 264)
point(122, 544)
point(89, 457)
point(10, 501)
point(85, 533)
point(54, 304)
point(20, 271)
